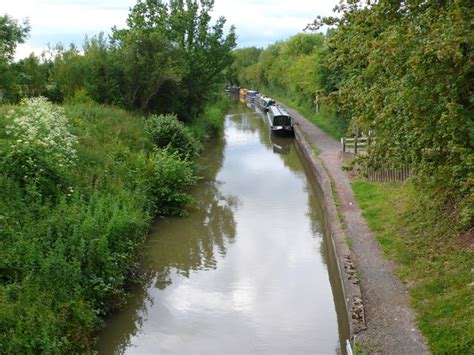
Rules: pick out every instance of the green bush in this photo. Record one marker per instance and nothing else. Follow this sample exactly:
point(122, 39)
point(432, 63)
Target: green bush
point(64, 265)
point(166, 131)
point(169, 178)
point(81, 96)
point(210, 123)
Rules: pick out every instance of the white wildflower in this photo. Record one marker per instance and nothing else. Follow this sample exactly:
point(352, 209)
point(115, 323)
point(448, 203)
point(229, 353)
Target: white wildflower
point(40, 125)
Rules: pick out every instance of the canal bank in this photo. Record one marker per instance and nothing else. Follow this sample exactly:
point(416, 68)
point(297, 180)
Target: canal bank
point(376, 302)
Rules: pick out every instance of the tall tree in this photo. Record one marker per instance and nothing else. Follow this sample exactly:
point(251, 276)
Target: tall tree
point(11, 34)
point(173, 45)
point(405, 71)
point(243, 58)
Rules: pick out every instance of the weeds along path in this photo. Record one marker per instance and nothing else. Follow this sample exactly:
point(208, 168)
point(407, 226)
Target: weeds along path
point(391, 325)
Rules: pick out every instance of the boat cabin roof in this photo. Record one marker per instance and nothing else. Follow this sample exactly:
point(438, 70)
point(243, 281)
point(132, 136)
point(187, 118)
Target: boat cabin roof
point(278, 111)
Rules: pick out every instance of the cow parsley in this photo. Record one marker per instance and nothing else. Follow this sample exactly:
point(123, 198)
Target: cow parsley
point(41, 150)
point(41, 126)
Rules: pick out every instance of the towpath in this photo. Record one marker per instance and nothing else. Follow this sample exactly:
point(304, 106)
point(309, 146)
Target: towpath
point(391, 326)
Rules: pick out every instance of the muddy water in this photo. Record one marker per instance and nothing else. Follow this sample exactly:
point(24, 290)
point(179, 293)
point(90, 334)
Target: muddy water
point(247, 271)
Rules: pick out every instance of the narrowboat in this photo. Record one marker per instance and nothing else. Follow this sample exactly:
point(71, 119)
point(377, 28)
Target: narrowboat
point(251, 95)
point(279, 120)
point(232, 89)
point(266, 102)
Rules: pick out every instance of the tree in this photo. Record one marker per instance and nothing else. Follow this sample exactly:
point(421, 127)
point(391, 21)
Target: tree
point(32, 76)
point(68, 70)
point(405, 72)
point(242, 58)
point(175, 50)
point(147, 60)
point(103, 71)
point(11, 34)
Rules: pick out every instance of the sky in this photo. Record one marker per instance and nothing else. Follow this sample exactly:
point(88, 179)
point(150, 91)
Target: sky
point(258, 22)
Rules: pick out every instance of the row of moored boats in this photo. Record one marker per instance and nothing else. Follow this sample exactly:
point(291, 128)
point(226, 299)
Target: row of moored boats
point(277, 118)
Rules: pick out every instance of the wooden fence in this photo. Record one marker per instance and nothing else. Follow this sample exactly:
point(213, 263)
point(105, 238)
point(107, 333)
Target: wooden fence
point(351, 147)
point(356, 145)
point(387, 174)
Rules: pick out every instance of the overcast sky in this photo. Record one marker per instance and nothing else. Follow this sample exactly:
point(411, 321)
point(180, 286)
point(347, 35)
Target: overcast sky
point(258, 22)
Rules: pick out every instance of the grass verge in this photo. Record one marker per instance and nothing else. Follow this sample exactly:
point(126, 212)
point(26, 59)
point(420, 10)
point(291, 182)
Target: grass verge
point(437, 269)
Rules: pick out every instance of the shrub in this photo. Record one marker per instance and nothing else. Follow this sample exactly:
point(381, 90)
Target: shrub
point(166, 131)
point(81, 96)
point(40, 149)
point(210, 123)
point(170, 176)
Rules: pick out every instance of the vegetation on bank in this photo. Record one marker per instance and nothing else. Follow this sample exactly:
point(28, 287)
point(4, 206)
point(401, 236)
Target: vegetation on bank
point(80, 186)
point(432, 260)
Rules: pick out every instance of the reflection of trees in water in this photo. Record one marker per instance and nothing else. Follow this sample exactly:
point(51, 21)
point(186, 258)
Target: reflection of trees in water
point(179, 246)
point(245, 121)
point(198, 242)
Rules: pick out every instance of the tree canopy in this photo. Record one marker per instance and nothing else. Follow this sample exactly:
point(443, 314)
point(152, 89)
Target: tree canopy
point(403, 69)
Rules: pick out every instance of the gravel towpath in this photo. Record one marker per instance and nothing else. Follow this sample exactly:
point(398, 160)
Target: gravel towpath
point(391, 326)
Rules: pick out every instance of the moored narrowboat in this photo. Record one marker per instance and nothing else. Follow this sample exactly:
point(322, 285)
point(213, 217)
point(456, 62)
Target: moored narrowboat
point(232, 89)
point(279, 120)
point(243, 92)
point(266, 102)
point(251, 94)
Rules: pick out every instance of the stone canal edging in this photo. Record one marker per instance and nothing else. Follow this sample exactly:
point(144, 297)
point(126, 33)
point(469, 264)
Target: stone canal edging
point(333, 226)
point(377, 303)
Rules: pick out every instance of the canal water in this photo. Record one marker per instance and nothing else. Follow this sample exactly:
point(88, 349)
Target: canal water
point(248, 271)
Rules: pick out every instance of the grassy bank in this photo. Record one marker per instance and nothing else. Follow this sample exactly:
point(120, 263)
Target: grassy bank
point(433, 260)
point(80, 187)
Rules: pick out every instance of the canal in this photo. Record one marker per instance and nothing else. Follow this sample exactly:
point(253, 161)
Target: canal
point(249, 271)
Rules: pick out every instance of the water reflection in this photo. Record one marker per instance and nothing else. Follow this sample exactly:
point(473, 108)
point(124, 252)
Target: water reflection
point(246, 271)
point(176, 249)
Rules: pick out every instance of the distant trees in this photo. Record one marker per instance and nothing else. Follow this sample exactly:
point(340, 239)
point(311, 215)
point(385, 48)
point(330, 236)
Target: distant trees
point(289, 67)
point(169, 58)
point(243, 60)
